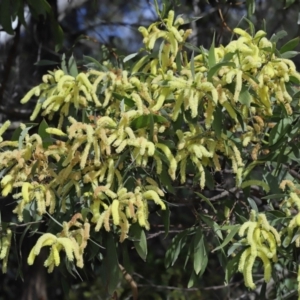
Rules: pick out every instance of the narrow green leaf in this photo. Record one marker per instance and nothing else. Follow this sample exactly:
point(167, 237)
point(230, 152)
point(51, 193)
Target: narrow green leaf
point(232, 267)
point(211, 54)
point(161, 47)
point(200, 255)
point(178, 242)
point(229, 237)
point(279, 35)
point(129, 57)
point(207, 201)
point(72, 66)
point(140, 122)
point(138, 236)
point(22, 136)
point(46, 137)
point(250, 7)
point(178, 62)
point(5, 16)
point(245, 96)
point(96, 63)
point(45, 62)
point(112, 265)
point(289, 54)
point(192, 63)
point(290, 45)
point(255, 182)
point(253, 204)
point(64, 64)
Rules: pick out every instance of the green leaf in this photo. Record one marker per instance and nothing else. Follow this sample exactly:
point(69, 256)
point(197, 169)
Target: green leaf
point(288, 3)
point(192, 47)
point(253, 204)
point(245, 96)
point(217, 124)
point(290, 45)
point(46, 137)
point(58, 35)
point(279, 35)
point(232, 267)
point(177, 244)
point(289, 54)
point(41, 7)
point(95, 63)
point(126, 259)
point(64, 64)
point(193, 65)
point(111, 264)
point(140, 122)
point(255, 182)
point(5, 16)
point(72, 66)
point(217, 67)
point(46, 62)
point(212, 224)
point(229, 237)
point(137, 234)
point(250, 7)
point(211, 54)
point(279, 130)
point(22, 136)
point(207, 201)
point(178, 62)
point(161, 47)
point(166, 181)
point(200, 254)
point(129, 57)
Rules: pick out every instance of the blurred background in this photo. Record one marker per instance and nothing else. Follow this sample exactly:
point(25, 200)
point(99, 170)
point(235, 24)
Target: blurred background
point(109, 29)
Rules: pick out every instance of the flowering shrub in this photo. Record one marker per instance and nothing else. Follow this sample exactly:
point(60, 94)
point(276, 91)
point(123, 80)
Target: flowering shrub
point(120, 139)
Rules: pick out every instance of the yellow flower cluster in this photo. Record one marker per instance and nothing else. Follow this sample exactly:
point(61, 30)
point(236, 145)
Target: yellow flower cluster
point(5, 242)
point(71, 241)
point(262, 240)
point(128, 120)
point(125, 206)
point(291, 203)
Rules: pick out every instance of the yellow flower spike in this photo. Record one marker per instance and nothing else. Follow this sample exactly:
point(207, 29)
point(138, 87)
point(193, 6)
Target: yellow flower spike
point(267, 266)
point(41, 240)
point(152, 195)
point(6, 179)
point(161, 99)
point(243, 259)
point(107, 214)
point(7, 189)
point(248, 272)
point(55, 131)
point(158, 162)
point(115, 212)
point(156, 189)
point(238, 86)
point(55, 253)
point(68, 247)
point(170, 157)
point(243, 33)
point(36, 111)
point(170, 18)
point(84, 155)
point(26, 189)
point(82, 77)
point(4, 127)
point(28, 96)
